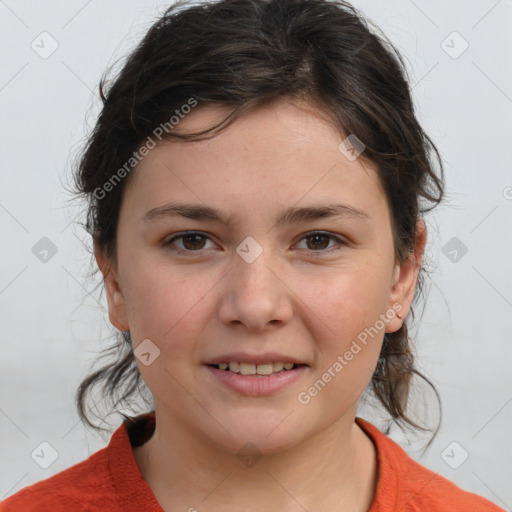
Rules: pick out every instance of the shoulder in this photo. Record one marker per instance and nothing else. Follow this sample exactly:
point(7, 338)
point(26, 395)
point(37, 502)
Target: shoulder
point(85, 483)
point(92, 484)
point(406, 485)
point(108, 480)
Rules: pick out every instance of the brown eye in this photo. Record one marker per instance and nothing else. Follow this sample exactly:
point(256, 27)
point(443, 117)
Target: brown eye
point(318, 241)
point(193, 242)
point(190, 242)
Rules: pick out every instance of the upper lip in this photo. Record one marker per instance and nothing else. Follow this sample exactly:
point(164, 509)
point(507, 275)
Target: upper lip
point(254, 358)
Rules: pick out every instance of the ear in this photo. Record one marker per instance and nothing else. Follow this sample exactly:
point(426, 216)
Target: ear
point(116, 305)
point(405, 277)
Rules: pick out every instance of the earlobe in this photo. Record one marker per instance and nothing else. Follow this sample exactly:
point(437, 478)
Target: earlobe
point(405, 278)
point(115, 298)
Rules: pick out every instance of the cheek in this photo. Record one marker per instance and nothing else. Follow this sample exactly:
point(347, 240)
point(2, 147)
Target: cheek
point(163, 304)
point(348, 300)
point(169, 310)
point(350, 304)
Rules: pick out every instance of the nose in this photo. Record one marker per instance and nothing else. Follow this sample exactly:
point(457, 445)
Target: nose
point(256, 294)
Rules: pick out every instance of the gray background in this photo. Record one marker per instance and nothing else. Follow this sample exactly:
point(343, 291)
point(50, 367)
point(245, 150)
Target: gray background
point(53, 326)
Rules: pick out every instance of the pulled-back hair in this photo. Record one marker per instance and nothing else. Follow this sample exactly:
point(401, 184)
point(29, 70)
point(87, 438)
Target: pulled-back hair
point(244, 54)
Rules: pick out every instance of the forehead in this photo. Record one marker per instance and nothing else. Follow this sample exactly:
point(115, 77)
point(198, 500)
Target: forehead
point(287, 151)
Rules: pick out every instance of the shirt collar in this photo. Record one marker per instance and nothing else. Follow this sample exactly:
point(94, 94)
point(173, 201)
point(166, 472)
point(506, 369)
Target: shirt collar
point(133, 489)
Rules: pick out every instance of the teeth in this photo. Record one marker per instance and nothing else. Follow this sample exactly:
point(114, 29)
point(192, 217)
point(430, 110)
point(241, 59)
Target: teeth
point(233, 367)
point(264, 369)
point(253, 369)
point(247, 369)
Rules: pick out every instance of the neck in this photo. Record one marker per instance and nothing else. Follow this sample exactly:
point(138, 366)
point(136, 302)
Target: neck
point(335, 469)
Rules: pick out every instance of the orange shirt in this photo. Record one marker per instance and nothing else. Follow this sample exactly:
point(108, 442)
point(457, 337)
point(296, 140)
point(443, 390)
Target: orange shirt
point(110, 480)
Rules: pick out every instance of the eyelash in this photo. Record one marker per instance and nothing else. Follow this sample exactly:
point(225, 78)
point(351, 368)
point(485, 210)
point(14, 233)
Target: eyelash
point(319, 253)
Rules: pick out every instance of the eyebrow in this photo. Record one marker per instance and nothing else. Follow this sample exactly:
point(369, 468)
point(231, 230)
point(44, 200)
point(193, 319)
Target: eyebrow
point(289, 216)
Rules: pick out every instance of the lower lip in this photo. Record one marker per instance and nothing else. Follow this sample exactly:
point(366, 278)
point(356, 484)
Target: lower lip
point(257, 385)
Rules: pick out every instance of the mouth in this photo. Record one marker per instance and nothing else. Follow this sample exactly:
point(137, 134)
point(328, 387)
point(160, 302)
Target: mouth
point(263, 370)
point(262, 379)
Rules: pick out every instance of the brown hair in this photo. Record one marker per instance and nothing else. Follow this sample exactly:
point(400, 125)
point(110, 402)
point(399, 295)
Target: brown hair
point(245, 54)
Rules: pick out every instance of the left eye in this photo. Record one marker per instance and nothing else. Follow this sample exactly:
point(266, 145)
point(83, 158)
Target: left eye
point(317, 242)
point(195, 242)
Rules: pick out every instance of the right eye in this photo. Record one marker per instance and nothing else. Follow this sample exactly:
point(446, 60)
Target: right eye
point(193, 242)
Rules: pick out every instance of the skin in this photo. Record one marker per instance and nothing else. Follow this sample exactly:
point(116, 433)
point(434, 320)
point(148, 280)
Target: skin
point(209, 302)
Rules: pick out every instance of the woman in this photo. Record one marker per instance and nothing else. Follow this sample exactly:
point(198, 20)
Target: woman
point(256, 183)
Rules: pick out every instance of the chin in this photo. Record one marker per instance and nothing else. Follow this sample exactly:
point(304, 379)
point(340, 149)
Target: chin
point(273, 434)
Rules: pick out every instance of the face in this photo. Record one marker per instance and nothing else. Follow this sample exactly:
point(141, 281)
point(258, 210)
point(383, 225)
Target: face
point(264, 288)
